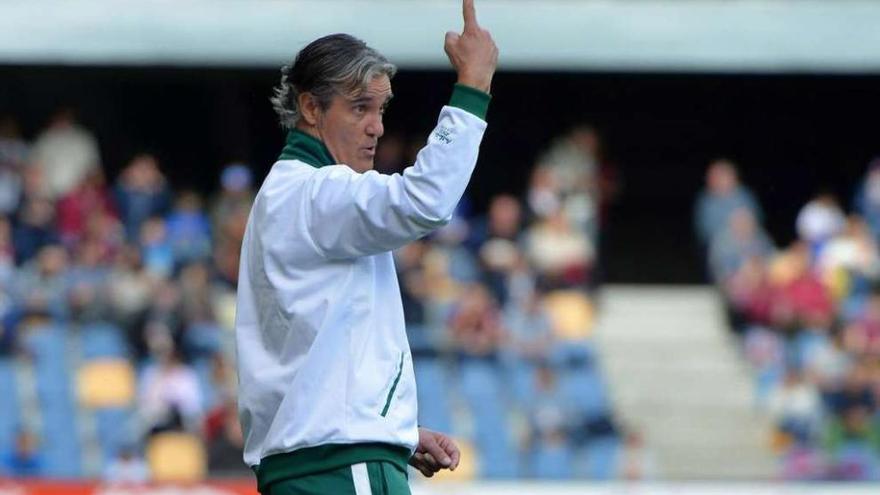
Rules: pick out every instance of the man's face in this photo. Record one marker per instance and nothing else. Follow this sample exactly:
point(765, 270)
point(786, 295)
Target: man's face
point(352, 125)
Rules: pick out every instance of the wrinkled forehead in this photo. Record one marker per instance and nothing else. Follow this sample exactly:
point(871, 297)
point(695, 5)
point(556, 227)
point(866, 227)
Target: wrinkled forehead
point(379, 88)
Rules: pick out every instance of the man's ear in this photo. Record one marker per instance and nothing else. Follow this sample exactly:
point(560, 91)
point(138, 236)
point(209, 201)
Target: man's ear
point(309, 108)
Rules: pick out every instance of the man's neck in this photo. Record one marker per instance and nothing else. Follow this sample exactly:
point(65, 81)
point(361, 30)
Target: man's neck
point(306, 146)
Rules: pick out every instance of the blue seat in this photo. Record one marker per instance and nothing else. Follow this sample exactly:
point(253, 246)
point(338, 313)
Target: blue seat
point(433, 393)
point(598, 459)
point(481, 387)
point(204, 369)
point(59, 441)
point(115, 429)
point(520, 376)
point(585, 390)
point(552, 462)
point(202, 340)
point(10, 411)
point(103, 340)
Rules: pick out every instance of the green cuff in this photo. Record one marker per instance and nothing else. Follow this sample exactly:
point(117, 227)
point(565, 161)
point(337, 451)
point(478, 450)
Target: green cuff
point(470, 100)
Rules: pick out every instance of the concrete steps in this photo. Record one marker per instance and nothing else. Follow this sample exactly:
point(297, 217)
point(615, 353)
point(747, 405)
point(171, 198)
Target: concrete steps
point(674, 374)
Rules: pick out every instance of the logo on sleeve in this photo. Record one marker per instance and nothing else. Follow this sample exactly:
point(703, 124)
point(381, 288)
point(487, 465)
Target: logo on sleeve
point(443, 134)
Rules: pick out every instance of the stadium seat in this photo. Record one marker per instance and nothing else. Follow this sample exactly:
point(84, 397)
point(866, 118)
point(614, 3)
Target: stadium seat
point(572, 314)
point(102, 340)
point(552, 462)
point(59, 441)
point(115, 428)
point(106, 383)
point(433, 393)
point(176, 458)
point(481, 386)
point(9, 413)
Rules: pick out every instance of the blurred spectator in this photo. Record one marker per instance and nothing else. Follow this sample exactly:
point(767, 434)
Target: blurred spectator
point(66, 152)
point(584, 183)
point(544, 197)
point(201, 337)
point(88, 198)
point(164, 322)
point(561, 255)
point(234, 199)
point(132, 294)
point(496, 240)
point(170, 398)
point(476, 323)
point(230, 219)
point(573, 160)
point(829, 366)
point(87, 293)
point(862, 336)
point(107, 232)
point(34, 229)
point(24, 461)
point(390, 154)
point(638, 462)
point(141, 192)
point(741, 240)
point(7, 252)
point(13, 156)
point(188, 229)
point(820, 220)
point(530, 336)
point(750, 294)
point(856, 392)
point(42, 286)
point(722, 195)
point(795, 407)
point(478, 334)
point(503, 220)
point(548, 416)
point(803, 300)
point(226, 446)
point(867, 199)
point(158, 253)
point(853, 441)
point(409, 261)
point(851, 260)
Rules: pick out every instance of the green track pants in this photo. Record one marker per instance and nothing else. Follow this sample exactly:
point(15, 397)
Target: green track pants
point(366, 478)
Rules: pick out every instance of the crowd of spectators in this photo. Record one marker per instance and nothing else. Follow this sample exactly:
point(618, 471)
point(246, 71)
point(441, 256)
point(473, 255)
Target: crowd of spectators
point(808, 316)
point(132, 276)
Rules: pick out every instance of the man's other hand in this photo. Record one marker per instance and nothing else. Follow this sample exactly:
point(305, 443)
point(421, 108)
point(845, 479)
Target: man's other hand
point(473, 52)
point(436, 451)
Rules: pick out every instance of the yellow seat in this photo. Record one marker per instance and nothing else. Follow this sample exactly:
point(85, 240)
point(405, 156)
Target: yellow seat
point(176, 458)
point(572, 314)
point(106, 383)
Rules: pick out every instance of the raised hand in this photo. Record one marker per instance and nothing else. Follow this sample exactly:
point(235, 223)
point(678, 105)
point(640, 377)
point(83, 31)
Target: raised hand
point(473, 52)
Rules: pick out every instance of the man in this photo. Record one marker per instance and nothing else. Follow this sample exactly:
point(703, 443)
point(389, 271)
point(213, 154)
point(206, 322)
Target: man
point(327, 397)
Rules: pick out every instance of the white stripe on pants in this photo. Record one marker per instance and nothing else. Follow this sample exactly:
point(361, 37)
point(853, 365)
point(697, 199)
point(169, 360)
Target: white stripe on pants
point(361, 479)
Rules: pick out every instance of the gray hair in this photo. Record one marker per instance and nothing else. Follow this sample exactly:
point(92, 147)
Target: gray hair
point(334, 64)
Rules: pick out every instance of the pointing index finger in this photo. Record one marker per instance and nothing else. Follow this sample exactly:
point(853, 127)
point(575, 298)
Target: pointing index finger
point(470, 15)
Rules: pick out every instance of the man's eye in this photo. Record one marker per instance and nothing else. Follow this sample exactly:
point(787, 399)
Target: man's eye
point(360, 108)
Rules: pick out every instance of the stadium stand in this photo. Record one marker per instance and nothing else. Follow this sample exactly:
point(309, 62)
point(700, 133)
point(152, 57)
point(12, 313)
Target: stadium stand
point(807, 318)
point(117, 305)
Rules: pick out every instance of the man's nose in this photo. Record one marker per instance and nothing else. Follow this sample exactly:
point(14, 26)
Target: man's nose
point(375, 129)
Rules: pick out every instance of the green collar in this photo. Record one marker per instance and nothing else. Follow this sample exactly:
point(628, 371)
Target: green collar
point(306, 148)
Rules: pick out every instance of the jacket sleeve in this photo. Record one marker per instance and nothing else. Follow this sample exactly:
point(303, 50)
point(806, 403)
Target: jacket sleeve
point(352, 214)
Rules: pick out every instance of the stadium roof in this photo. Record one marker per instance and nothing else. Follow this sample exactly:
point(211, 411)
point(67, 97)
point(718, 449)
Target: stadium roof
point(571, 35)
